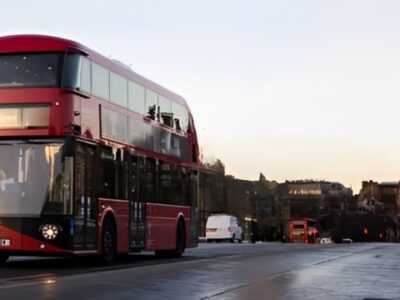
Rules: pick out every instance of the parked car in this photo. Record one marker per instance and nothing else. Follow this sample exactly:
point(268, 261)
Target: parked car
point(326, 240)
point(347, 240)
point(223, 227)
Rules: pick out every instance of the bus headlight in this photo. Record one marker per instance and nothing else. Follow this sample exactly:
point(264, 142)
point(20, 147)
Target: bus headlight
point(50, 231)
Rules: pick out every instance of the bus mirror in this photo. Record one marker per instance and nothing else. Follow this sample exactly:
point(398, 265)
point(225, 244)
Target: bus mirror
point(75, 129)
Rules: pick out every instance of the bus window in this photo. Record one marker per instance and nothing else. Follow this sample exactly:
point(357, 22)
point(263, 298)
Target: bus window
point(137, 98)
point(32, 69)
point(100, 81)
point(118, 89)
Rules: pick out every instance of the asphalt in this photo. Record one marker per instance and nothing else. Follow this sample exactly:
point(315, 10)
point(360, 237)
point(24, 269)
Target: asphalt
point(216, 271)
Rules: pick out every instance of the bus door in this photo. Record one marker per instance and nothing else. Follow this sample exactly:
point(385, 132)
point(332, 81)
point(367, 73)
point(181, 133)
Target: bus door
point(193, 197)
point(137, 206)
point(85, 210)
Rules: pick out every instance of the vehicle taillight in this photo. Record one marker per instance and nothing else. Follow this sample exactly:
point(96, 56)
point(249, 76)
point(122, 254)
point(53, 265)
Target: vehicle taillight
point(229, 229)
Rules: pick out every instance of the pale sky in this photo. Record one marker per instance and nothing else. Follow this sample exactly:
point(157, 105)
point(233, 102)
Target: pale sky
point(292, 89)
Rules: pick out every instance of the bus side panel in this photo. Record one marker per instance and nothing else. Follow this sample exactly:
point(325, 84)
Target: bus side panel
point(120, 211)
point(10, 231)
point(36, 246)
point(61, 110)
point(161, 223)
point(14, 239)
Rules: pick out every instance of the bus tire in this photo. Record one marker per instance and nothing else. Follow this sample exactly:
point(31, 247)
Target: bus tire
point(180, 239)
point(108, 241)
point(180, 244)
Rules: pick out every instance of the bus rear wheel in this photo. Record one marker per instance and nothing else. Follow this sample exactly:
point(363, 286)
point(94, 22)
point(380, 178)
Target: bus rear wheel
point(181, 240)
point(180, 244)
point(108, 241)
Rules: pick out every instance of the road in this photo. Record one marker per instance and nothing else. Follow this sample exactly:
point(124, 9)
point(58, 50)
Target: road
point(215, 272)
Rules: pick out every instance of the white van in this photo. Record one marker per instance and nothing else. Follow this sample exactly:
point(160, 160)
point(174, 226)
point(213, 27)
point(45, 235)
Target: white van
point(223, 227)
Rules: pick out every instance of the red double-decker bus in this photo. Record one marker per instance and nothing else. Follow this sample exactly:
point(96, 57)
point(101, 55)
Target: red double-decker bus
point(94, 158)
point(303, 230)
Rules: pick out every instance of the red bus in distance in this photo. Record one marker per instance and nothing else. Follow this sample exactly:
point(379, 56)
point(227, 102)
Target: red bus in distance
point(303, 230)
point(94, 158)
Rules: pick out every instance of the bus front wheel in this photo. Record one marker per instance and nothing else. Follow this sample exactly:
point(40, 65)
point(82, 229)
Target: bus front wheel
point(108, 241)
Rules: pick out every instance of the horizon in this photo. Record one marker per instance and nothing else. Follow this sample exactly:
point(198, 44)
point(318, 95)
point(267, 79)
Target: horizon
point(305, 180)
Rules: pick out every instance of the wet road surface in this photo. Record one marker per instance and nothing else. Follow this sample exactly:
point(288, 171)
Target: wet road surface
point(215, 271)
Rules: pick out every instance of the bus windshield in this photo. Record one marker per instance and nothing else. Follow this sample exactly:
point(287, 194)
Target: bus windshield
point(29, 70)
point(33, 179)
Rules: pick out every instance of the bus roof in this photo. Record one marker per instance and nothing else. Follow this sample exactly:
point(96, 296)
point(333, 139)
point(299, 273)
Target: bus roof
point(44, 43)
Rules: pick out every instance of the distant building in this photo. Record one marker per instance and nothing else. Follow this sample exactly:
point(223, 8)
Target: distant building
point(319, 200)
point(267, 206)
point(382, 200)
point(267, 209)
point(380, 197)
point(308, 198)
point(254, 203)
